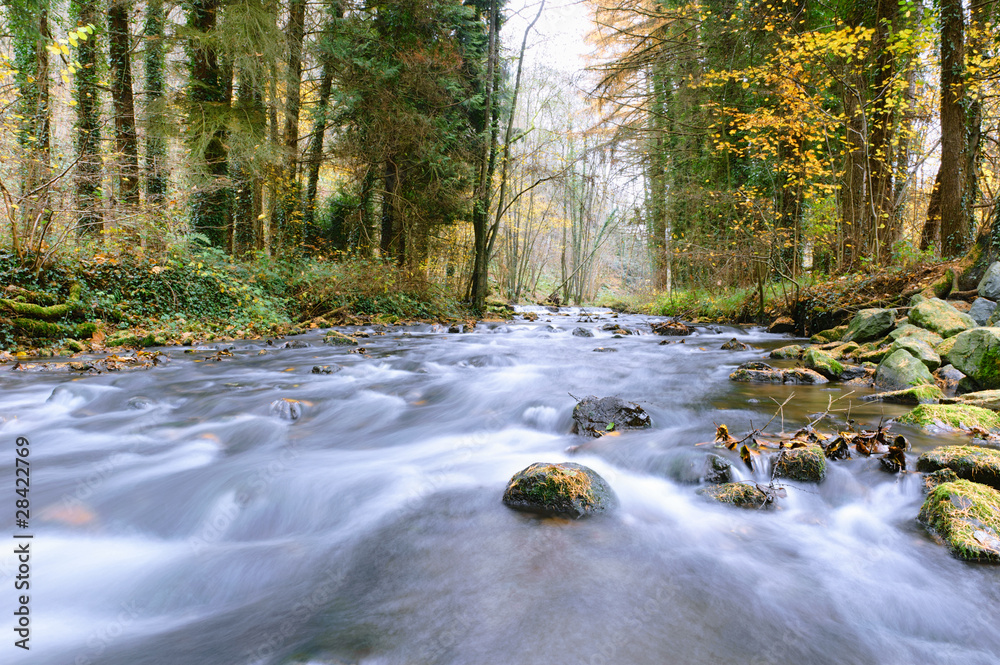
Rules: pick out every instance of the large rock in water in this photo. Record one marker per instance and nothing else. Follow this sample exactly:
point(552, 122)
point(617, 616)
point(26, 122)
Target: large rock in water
point(976, 353)
point(989, 285)
point(870, 324)
point(950, 417)
point(938, 316)
point(975, 463)
point(741, 495)
point(559, 490)
point(597, 416)
point(824, 363)
point(901, 370)
point(910, 330)
point(919, 349)
point(966, 515)
point(807, 464)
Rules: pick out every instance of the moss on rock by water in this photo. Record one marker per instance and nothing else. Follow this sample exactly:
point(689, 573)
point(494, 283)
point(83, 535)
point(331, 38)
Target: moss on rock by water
point(565, 489)
point(952, 416)
point(741, 495)
point(914, 395)
point(806, 464)
point(975, 463)
point(966, 515)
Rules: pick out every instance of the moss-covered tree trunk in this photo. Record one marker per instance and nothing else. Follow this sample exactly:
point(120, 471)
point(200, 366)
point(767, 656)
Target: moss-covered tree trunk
point(90, 218)
point(126, 140)
point(156, 145)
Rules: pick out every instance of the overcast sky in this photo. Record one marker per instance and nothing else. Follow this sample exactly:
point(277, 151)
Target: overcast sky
point(558, 39)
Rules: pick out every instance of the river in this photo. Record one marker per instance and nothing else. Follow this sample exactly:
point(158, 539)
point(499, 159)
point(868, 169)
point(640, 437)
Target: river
point(177, 519)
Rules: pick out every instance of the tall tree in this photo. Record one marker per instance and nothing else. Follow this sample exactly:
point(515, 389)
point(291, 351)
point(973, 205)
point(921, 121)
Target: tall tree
point(156, 145)
point(120, 64)
point(207, 113)
point(290, 215)
point(90, 220)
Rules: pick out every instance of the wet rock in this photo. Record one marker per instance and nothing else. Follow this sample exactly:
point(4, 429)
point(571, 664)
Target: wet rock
point(326, 369)
point(975, 463)
point(582, 332)
point(559, 490)
point(823, 362)
point(914, 395)
point(790, 352)
point(910, 330)
point(456, 328)
point(950, 417)
point(941, 476)
point(806, 464)
point(757, 372)
point(741, 495)
point(717, 470)
point(286, 409)
point(947, 378)
point(803, 375)
point(981, 310)
point(552, 328)
point(606, 349)
point(335, 338)
point(919, 349)
point(986, 399)
point(858, 375)
point(976, 353)
point(966, 516)
point(989, 285)
point(594, 416)
point(735, 345)
point(870, 324)
point(530, 316)
point(938, 316)
point(900, 370)
point(829, 335)
point(841, 351)
point(782, 325)
point(673, 328)
point(297, 344)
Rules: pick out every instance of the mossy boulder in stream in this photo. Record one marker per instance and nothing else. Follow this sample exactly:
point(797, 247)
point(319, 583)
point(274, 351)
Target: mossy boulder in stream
point(828, 335)
point(975, 463)
point(938, 316)
point(919, 349)
point(952, 417)
point(594, 416)
point(910, 330)
point(869, 324)
point(976, 353)
point(335, 338)
point(806, 464)
point(559, 490)
point(823, 362)
point(966, 515)
point(790, 352)
point(914, 395)
point(900, 370)
point(741, 495)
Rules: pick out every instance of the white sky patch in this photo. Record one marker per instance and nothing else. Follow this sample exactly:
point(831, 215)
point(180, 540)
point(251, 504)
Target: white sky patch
point(558, 40)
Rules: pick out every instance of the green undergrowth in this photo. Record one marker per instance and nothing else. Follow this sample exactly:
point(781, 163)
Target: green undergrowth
point(198, 291)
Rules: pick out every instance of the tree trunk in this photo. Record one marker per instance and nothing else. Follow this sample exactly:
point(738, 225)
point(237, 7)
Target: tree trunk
point(88, 127)
point(290, 220)
point(120, 62)
point(156, 145)
point(956, 215)
point(207, 95)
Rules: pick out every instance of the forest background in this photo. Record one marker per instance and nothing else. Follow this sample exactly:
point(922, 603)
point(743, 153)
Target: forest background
point(247, 165)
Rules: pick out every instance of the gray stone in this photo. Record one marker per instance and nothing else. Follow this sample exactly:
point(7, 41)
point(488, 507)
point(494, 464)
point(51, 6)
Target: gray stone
point(594, 416)
point(976, 353)
point(938, 316)
point(869, 324)
point(900, 370)
point(919, 349)
point(561, 490)
point(582, 332)
point(910, 330)
point(989, 285)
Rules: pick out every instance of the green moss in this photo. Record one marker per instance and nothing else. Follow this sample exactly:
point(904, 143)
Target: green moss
point(564, 489)
point(823, 363)
point(339, 339)
point(741, 495)
point(975, 463)
point(790, 352)
point(923, 394)
point(966, 515)
point(806, 464)
point(939, 477)
point(952, 416)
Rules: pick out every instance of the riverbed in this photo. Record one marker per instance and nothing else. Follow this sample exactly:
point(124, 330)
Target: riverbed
point(180, 516)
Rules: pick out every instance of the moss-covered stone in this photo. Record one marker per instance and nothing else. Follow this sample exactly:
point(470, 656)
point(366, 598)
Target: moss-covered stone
point(790, 352)
point(741, 495)
point(560, 490)
point(938, 316)
point(919, 349)
point(829, 335)
point(914, 395)
point(952, 417)
point(939, 477)
point(966, 515)
point(822, 362)
point(338, 339)
point(843, 350)
point(900, 370)
point(975, 463)
point(593, 416)
point(757, 372)
point(869, 324)
point(976, 353)
point(910, 330)
point(985, 399)
point(803, 375)
point(806, 464)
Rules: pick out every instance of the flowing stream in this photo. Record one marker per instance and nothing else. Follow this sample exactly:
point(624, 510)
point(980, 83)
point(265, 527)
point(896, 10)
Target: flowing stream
point(177, 520)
